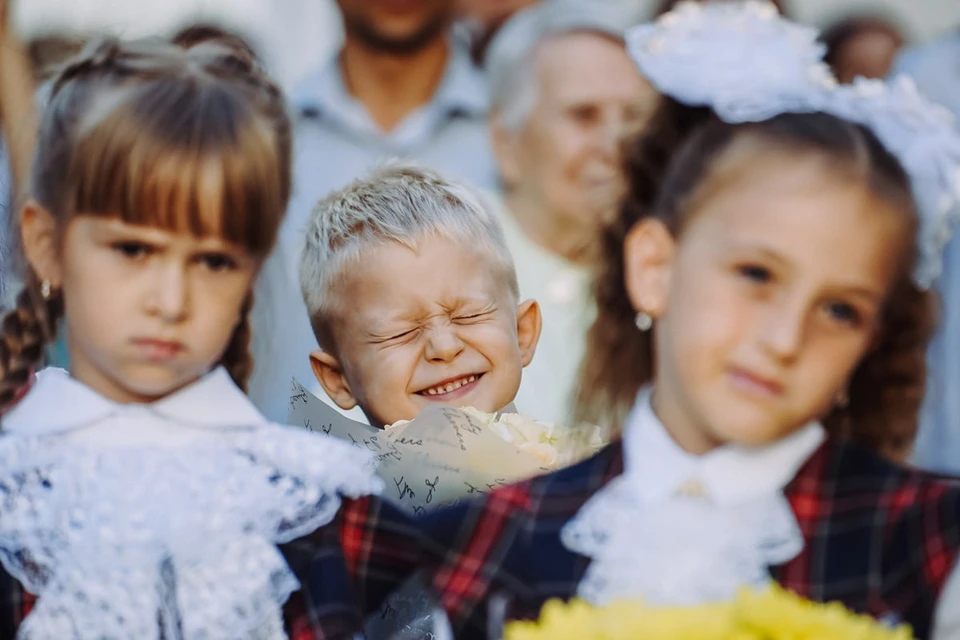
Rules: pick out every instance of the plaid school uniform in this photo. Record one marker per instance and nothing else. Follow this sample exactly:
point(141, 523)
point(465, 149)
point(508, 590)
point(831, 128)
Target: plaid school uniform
point(879, 538)
point(346, 569)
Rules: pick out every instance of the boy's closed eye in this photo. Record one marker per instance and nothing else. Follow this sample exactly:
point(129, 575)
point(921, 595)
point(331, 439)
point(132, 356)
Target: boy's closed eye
point(393, 335)
point(401, 335)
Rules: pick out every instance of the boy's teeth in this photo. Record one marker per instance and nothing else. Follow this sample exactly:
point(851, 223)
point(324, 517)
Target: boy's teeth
point(450, 386)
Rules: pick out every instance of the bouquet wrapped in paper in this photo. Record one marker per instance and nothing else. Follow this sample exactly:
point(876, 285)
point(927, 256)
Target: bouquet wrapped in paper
point(770, 614)
point(447, 453)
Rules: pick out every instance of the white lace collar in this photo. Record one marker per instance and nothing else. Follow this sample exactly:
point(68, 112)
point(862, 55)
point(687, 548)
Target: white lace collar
point(658, 467)
point(159, 542)
point(58, 403)
point(649, 536)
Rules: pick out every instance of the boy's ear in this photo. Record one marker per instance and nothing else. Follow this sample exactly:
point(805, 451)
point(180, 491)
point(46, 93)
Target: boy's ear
point(330, 375)
point(529, 325)
point(648, 252)
point(38, 232)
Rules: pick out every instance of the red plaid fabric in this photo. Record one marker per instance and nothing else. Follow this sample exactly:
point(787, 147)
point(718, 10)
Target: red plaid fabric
point(506, 546)
point(465, 583)
point(879, 538)
point(346, 569)
point(21, 392)
point(16, 605)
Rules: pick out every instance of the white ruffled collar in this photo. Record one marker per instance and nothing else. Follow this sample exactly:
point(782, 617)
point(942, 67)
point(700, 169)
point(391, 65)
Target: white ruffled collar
point(677, 529)
point(213, 402)
point(659, 468)
point(187, 536)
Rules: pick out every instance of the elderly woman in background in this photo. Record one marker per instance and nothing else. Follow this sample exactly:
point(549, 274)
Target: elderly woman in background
point(564, 91)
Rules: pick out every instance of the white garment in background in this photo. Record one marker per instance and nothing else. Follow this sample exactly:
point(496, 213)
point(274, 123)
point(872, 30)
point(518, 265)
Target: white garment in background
point(563, 291)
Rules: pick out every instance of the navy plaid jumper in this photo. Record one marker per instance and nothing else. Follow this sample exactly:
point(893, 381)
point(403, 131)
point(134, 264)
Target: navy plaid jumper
point(880, 538)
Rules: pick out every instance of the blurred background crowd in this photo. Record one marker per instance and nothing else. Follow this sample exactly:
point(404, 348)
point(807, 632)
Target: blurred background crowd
point(525, 99)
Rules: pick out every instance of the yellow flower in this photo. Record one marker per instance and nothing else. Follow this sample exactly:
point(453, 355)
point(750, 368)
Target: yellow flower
point(775, 608)
point(771, 614)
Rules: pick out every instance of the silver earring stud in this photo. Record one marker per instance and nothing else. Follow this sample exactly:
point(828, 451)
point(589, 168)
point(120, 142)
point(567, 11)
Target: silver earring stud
point(45, 289)
point(643, 321)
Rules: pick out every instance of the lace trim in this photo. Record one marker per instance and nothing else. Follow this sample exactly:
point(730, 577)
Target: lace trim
point(113, 541)
point(685, 551)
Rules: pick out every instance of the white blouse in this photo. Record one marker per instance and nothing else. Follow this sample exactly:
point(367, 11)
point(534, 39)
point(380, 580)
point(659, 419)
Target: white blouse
point(118, 516)
point(725, 509)
point(563, 291)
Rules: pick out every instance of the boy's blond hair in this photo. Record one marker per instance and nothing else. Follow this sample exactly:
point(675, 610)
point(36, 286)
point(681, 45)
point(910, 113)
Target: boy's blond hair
point(401, 203)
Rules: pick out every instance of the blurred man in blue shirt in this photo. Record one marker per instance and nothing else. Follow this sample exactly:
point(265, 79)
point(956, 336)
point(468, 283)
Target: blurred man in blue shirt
point(402, 86)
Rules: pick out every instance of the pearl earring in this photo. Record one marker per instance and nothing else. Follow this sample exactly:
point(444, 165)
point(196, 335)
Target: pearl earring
point(643, 321)
point(45, 289)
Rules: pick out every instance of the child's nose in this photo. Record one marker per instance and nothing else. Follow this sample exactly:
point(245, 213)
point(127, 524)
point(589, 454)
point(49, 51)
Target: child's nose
point(783, 328)
point(168, 293)
point(443, 344)
point(609, 131)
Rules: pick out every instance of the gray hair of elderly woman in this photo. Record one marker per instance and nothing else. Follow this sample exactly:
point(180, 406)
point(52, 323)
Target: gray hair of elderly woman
point(511, 61)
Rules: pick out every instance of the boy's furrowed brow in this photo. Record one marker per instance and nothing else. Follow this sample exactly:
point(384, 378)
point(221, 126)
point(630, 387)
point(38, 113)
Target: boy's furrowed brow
point(477, 304)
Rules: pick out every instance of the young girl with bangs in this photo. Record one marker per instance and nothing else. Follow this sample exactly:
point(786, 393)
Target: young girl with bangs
point(142, 495)
point(763, 317)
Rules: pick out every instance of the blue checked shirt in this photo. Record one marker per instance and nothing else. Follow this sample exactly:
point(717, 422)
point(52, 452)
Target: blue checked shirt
point(336, 141)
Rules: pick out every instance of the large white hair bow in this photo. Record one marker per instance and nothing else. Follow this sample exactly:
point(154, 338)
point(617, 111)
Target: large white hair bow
point(748, 64)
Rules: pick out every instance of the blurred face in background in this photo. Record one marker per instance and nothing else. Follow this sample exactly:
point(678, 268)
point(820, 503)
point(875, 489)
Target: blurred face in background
point(396, 26)
point(564, 158)
point(869, 54)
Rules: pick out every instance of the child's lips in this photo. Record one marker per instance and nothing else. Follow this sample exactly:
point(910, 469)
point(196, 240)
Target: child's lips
point(755, 384)
point(158, 350)
point(453, 389)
